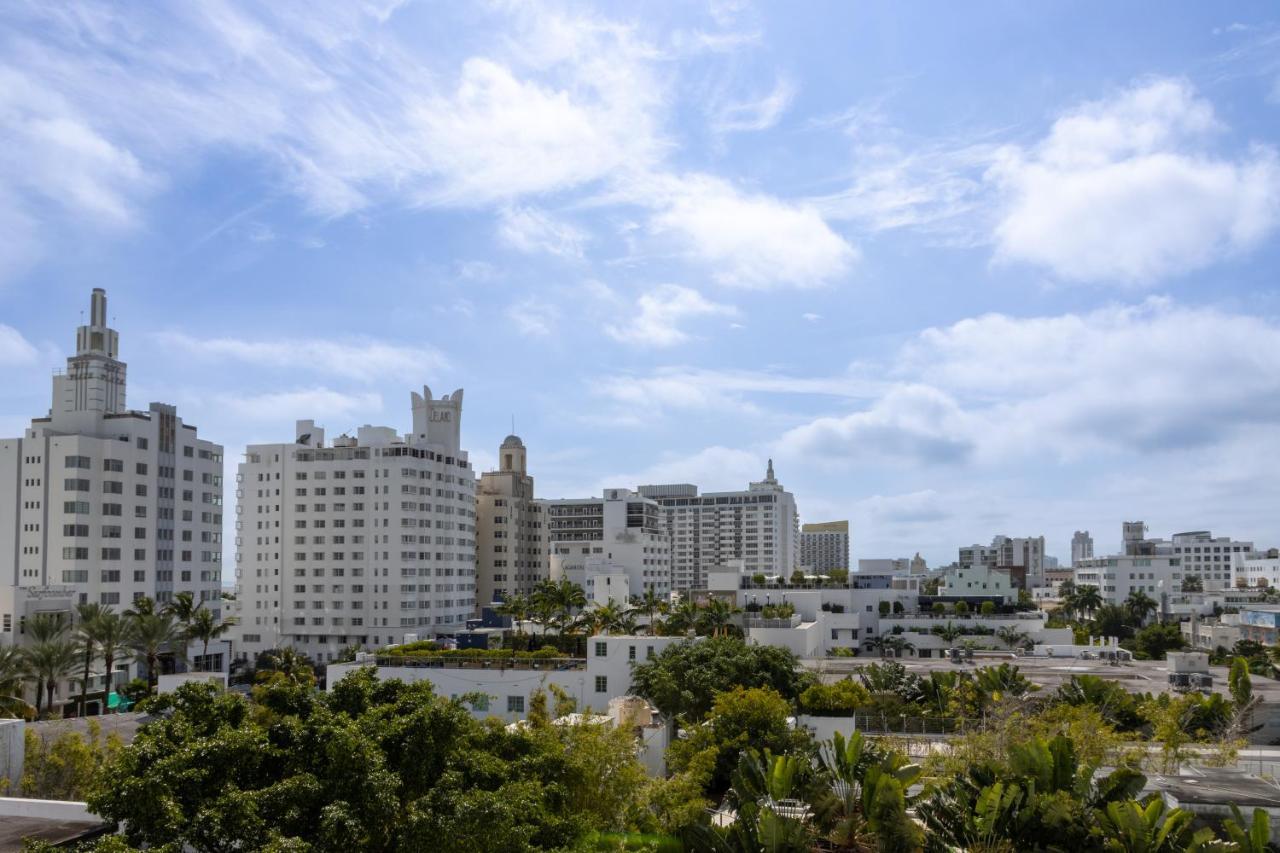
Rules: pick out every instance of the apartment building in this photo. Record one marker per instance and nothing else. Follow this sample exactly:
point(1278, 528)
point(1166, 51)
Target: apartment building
point(619, 534)
point(101, 503)
point(511, 554)
point(1081, 546)
point(365, 541)
point(1201, 555)
point(759, 525)
point(1117, 576)
point(825, 546)
point(1022, 557)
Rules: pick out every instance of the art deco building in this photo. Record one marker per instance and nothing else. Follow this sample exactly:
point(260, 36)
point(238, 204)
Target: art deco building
point(511, 554)
point(365, 541)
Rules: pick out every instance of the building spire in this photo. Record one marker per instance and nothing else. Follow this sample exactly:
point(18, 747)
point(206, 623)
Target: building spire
point(768, 474)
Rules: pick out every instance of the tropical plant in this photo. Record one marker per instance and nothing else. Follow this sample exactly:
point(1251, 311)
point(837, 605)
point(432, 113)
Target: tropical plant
point(716, 618)
point(153, 635)
point(1011, 636)
point(204, 628)
point(683, 617)
point(770, 812)
point(292, 664)
point(517, 607)
point(88, 618)
point(50, 658)
point(862, 797)
point(1140, 606)
point(1085, 600)
point(891, 645)
point(1132, 827)
point(115, 636)
point(13, 673)
point(650, 604)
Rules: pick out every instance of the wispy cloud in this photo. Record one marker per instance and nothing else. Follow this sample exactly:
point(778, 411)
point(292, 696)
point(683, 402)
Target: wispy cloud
point(361, 359)
point(654, 320)
point(755, 115)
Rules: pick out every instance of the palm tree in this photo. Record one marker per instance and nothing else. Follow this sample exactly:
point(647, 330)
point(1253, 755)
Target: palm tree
point(683, 617)
point(1086, 600)
point(142, 606)
point(115, 635)
point(1011, 636)
point(650, 604)
point(892, 643)
point(1140, 605)
point(517, 607)
point(288, 661)
point(50, 658)
point(609, 618)
point(948, 632)
point(12, 677)
point(568, 597)
point(205, 628)
point(542, 605)
point(152, 634)
point(86, 637)
point(854, 772)
point(716, 618)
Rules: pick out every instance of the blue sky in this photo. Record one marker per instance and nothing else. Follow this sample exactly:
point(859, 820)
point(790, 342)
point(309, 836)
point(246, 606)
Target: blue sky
point(960, 269)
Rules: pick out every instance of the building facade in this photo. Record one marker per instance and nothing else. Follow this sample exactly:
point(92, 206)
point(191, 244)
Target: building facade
point(620, 534)
point(1210, 559)
point(106, 504)
point(759, 525)
point(1081, 546)
point(511, 554)
point(363, 542)
point(1021, 557)
point(1116, 577)
point(825, 546)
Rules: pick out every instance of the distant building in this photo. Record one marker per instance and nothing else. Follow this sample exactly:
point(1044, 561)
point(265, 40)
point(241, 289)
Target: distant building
point(105, 503)
point(1021, 557)
point(1201, 555)
point(1116, 577)
point(511, 554)
point(620, 533)
point(362, 542)
point(825, 546)
point(758, 525)
point(1081, 546)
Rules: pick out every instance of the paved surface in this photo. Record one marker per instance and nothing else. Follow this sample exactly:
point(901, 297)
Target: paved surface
point(125, 725)
point(14, 829)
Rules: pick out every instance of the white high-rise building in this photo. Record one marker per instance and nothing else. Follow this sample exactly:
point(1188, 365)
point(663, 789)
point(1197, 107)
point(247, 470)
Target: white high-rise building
point(1081, 547)
point(1210, 559)
point(759, 526)
point(825, 546)
point(511, 555)
point(365, 541)
point(618, 539)
point(105, 504)
point(1022, 556)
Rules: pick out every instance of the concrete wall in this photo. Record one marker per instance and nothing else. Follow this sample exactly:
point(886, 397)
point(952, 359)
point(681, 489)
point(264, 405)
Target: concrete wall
point(12, 753)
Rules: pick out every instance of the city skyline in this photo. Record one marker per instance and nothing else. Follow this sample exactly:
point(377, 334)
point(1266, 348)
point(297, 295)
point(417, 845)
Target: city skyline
point(921, 311)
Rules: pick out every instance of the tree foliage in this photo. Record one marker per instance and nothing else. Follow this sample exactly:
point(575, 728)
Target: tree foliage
point(685, 678)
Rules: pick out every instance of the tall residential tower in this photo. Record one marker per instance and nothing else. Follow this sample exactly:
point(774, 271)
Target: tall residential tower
point(511, 554)
point(361, 542)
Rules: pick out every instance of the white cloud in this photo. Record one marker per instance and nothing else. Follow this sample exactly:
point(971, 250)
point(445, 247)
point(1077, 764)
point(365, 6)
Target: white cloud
point(655, 319)
point(1146, 379)
point(98, 105)
point(811, 317)
point(760, 114)
point(692, 389)
point(711, 469)
point(751, 241)
point(534, 318)
point(15, 350)
point(1124, 190)
point(288, 406)
point(532, 230)
point(360, 359)
point(911, 422)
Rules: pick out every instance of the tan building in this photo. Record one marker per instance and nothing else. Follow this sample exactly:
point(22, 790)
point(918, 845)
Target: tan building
point(511, 555)
point(825, 546)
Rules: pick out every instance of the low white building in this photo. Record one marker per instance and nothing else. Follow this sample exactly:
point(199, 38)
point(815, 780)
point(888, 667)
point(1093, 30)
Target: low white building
point(1117, 576)
point(621, 529)
point(1256, 569)
point(507, 686)
point(978, 580)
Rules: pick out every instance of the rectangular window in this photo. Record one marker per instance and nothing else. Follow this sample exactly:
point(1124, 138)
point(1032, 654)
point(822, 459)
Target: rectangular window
point(602, 650)
point(116, 465)
point(515, 704)
point(602, 684)
point(75, 485)
point(77, 462)
point(631, 651)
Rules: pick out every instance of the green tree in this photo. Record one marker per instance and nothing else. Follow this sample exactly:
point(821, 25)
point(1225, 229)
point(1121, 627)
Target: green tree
point(1140, 606)
point(65, 767)
point(988, 608)
point(685, 678)
point(962, 608)
point(938, 608)
point(1011, 636)
point(1111, 620)
point(1157, 639)
point(50, 658)
point(86, 639)
point(716, 618)
point(1132, 827)
point(204, 628)
point(114, 634)
point(12, 678)
point(650, 604)
point(517, 607)
point(371, 766)
point(291, 665)
point(884, 607)
point(741, 718)
point(153, 635)
point(1240, 684)
point(1085, 600)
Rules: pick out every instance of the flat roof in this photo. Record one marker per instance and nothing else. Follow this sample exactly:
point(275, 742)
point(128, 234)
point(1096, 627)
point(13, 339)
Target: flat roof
point(55, 831)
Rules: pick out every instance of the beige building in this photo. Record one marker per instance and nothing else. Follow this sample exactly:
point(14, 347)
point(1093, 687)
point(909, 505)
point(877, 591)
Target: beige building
point(511, 555)
point(825, 546)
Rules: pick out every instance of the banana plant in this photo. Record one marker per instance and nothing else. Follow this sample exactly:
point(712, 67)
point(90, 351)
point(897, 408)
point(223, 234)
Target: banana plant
point(1132, 827)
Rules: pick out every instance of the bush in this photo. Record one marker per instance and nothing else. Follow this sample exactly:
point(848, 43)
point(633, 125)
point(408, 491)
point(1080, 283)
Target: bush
point(884, 608)
point(962, 608)
point(834, 700)
point(988, 608)
point(938, 608)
